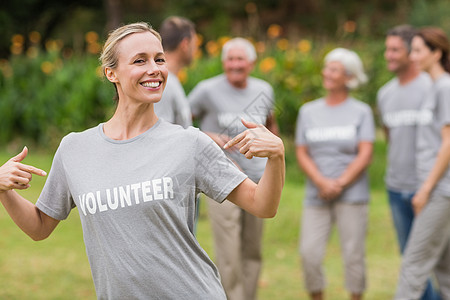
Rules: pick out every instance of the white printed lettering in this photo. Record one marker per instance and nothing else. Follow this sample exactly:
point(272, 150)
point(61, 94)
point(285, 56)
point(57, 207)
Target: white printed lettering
point(146, 191)
point(101, 206)
point(321, 134)
point(156, 184)
point(90, 198)
point(82, 200)
point(125, 196)
point(155, 189)
point(168, 187)
point(135, 188)
point(112, 203)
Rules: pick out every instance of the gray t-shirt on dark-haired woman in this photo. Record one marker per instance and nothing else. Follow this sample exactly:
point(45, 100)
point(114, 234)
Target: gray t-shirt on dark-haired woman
point(136, 200)
point(434, 115)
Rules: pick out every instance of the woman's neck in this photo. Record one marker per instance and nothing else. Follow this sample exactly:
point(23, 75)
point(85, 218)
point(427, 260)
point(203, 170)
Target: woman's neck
point(336, 97)
point(436, 71)
point(130, 121)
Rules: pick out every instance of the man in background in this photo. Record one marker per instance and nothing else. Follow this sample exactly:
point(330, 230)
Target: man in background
point(399, 101)
point(179, 41)
point(220, 103)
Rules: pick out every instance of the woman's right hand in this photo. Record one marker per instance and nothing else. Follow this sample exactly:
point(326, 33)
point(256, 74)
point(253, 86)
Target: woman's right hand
point(329, 189)
point(16, 175)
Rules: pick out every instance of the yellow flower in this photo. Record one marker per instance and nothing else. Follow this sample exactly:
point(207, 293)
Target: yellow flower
point(6, 68)
point(291, 82)
point(304, 46)
point(260, 47)
point(17, 39)
point(99, 71)
point(35, 37)
point(274, 31)
point(32, 52)
point(16, 49)
point(182, 76)
point(94, 48)
point(267, 64)
point(17, 44)
point(199, 39)
point(54, 45)
point(91, 37)
point(222, 40)
point(283, 44)
point(47, 67)
point(212, 48)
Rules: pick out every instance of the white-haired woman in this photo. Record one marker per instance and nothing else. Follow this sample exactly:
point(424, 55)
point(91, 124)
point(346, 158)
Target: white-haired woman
point(135, 179)
point(334, 141)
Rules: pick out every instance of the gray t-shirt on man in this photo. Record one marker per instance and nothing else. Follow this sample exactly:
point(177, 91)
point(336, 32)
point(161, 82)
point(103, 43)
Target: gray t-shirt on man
point(219, 106)
point(332, 135)
point(399, 106)
point(173, 106)
point(434, 115)
point(136, 201)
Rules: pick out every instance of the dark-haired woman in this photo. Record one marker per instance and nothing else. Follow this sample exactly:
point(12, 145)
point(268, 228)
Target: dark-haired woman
point(428, 247)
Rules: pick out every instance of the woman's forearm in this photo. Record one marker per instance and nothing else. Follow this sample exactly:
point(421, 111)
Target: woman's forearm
point(27, 216)
point(269, 188)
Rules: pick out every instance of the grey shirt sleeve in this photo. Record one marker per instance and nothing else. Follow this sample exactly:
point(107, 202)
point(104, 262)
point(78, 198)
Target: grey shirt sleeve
point(443, 106)
point(55, 199)
point(366, 131)
point(215, 174)
point(196, 100)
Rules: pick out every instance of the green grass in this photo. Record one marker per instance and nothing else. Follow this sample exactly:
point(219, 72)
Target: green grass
point(57, 268)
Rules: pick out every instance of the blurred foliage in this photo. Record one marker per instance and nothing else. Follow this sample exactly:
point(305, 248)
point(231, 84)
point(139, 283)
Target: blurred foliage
point(49, 83)
point(46, 96)
point(68, 20)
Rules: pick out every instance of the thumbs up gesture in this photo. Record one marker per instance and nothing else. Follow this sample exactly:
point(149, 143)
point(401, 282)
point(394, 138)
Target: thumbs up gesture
point(16, 175)
point(257, 141)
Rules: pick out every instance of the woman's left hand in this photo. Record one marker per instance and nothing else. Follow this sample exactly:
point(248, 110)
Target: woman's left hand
point(419, 200)
point(257, 141)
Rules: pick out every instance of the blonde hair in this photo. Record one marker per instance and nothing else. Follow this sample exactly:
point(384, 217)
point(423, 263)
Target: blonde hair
point(352, 64)
point(109, 57)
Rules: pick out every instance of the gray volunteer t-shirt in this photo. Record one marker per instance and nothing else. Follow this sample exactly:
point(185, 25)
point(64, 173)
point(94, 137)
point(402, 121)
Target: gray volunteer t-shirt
point(136, 201)
point(435, 114)
point(219, 106)
point(173, 106)
point(399, 106)
point(332, 135)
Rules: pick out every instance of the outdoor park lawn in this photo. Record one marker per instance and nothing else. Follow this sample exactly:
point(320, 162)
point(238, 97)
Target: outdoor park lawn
point(57, 268)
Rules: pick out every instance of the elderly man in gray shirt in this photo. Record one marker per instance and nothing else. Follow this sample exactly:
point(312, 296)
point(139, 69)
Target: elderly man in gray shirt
point(220, 103)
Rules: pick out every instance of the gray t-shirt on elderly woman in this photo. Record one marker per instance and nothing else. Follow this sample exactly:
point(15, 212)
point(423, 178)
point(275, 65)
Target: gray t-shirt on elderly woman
point(399, 106)
point(434, 115)
point(332, 135)
point(136, 200)
point(219, 106)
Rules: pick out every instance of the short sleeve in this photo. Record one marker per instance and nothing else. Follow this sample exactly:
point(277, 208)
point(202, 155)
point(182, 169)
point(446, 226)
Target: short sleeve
point(300, 129)
point(215, 174)
point(366, 132)
point(55, 199)
point(196, 100)
point(443, 106)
